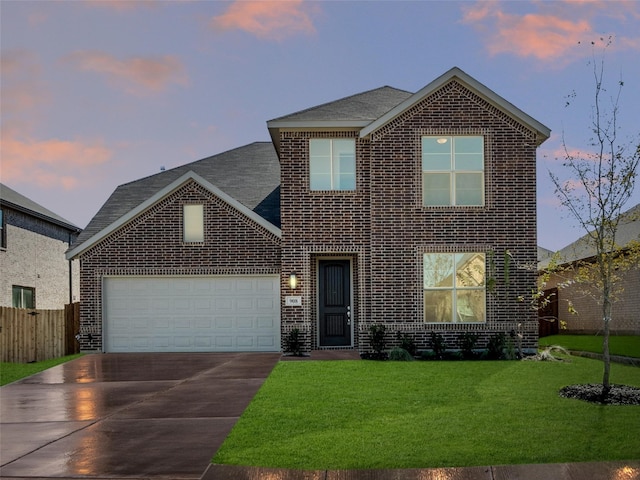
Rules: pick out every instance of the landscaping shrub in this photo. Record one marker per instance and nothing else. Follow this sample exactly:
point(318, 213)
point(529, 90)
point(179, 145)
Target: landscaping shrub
point(495, 347)
point(400, 355)
point(438, 345)
point(407, 343)
point(378, 343)
point(467, 343)
point(293, 343)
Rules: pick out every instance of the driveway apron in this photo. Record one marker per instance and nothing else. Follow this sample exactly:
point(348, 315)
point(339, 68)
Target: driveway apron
point(126, 415)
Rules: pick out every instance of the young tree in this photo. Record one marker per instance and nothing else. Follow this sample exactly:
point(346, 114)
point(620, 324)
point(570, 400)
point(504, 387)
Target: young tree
point(602, 181)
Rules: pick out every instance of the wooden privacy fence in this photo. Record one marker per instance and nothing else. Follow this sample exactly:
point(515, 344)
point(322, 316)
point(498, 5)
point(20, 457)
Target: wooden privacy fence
point(34, 335)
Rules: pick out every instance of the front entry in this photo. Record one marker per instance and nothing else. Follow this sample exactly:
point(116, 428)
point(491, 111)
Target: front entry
point(334, 302)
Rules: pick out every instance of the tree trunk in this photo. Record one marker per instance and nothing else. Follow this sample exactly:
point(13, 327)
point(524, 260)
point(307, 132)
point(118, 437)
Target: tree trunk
point(606, 387)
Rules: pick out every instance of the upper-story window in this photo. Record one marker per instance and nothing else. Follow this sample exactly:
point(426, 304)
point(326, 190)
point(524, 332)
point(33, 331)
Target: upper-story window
point(332, 164)
point(452, 170)
point(193, 223)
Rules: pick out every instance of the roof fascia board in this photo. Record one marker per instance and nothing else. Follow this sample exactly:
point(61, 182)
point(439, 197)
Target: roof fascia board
point(472, 84)
point(41, 216)
point(161, 194)
point(326, 124)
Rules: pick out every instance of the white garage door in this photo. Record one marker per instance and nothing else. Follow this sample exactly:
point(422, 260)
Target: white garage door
point(191, 314)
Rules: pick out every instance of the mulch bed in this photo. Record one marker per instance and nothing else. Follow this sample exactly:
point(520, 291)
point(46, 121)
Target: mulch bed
point(592, 392)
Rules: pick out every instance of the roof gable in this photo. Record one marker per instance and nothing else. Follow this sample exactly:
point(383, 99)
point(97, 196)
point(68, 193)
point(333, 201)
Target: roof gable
point(455, 74)
point(17, 201)
point(250, 174)
point(160, 195)
point(583, 248)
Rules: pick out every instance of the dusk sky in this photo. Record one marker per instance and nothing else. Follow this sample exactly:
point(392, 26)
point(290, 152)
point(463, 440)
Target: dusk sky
point(104, 92)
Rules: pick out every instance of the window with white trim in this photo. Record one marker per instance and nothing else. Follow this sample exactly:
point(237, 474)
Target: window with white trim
point(332, 164)
point(454, 287)
point(193, 223)
point(453, 170)
point(23, 297)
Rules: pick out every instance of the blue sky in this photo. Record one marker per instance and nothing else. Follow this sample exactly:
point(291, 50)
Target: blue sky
point(99, 93)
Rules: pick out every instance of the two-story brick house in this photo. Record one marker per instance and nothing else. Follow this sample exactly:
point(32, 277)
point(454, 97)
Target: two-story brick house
point(34, 272)
point(394, 208)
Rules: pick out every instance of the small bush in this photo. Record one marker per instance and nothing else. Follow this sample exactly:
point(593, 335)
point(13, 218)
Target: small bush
point(438, 345)
point(467, 343)
point(495, 347)
point(293, 343)
point(400, 355)
point(407, 343)
point(377, 338)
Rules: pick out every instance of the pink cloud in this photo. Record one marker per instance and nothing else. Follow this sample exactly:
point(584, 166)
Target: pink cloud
point(552, 32)
point(274, 20)
point(138, 75)
point(22, 87)
point(50, 162)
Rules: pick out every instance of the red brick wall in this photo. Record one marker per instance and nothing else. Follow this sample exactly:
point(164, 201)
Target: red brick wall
point(151, 244)
point(385, 229)
point(625, 312)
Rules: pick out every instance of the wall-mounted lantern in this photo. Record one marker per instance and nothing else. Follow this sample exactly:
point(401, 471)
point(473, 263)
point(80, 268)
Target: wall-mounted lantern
point(293, 281)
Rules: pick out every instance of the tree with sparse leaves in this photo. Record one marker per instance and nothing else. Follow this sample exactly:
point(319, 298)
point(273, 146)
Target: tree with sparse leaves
point(602, 181)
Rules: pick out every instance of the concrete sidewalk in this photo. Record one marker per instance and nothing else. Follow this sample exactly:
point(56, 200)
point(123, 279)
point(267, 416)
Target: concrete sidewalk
point(557, 471)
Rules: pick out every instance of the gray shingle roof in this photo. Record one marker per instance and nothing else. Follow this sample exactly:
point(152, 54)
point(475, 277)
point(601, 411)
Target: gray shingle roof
point(583, 248)
point(16, 200)
point(366, 106)
point(249, 174)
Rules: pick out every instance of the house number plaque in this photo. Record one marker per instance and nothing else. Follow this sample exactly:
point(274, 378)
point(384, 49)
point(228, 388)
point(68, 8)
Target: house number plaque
point(293, 301)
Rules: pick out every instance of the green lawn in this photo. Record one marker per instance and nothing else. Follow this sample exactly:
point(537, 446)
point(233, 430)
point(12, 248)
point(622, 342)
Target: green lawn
point(11, 372)
point(625, 345)
point(367, 414)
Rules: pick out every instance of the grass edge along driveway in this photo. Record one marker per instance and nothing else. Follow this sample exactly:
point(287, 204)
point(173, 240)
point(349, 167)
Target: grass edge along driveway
point(366, 414)
point(12, 372)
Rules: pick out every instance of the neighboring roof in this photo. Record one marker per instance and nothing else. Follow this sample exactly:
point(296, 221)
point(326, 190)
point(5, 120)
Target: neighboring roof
point(583, 248)
point(544, 253)
point(158, 196)
point(249, 174)
point(469, 82)
point(352, 112)
point(17, 201)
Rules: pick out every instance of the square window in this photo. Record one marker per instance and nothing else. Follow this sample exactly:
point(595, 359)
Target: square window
point(193, 223)
point(23, 297)
point(453, 170)
point(454, 287)
point(332, 164)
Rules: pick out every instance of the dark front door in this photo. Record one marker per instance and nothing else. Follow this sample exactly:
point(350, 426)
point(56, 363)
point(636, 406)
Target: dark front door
point(334, 302)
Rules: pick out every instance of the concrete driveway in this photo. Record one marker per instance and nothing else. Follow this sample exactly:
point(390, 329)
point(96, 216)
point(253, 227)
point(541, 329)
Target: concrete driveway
point(126, 415)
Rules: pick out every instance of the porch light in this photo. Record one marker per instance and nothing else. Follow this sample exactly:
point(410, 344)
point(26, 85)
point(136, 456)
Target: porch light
point(293, 281)
point(441, 140)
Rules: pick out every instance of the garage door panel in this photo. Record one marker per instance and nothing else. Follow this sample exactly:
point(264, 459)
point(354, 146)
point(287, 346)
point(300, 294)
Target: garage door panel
point(226, 313)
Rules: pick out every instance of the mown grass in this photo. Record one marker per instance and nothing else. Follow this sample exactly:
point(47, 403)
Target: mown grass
point(11, 372)
point(625, 345)
point(367, 414)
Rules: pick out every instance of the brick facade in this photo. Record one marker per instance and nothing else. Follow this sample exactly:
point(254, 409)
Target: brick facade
point(151, 244)
point(588, 319)
point(384, 229)
point(34, 258)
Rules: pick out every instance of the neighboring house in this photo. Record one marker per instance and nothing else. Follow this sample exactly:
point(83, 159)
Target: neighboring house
point(385, 207)
point(34, 272)
point(588, 316)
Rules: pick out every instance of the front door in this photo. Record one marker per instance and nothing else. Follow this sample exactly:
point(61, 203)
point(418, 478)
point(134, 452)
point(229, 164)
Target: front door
point(334, 302)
